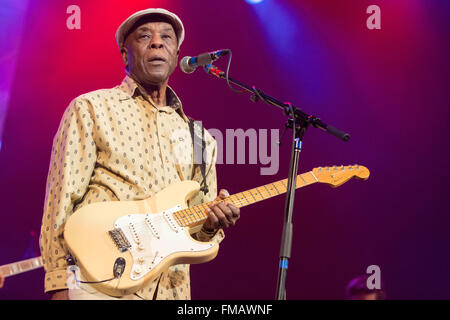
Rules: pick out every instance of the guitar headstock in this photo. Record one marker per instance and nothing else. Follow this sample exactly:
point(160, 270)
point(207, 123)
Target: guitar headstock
point(336, 176)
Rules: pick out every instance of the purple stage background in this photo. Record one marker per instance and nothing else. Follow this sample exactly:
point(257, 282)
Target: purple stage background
point(388, 88)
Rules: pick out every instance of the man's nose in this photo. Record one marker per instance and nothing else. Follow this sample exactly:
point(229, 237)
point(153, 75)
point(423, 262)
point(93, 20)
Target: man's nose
point(157, 43)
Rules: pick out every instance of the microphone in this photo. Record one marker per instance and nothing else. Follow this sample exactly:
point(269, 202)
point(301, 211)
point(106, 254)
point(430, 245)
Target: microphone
point(189, 64)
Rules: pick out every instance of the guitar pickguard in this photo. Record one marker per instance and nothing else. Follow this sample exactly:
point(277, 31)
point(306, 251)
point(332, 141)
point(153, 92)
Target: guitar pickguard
point(153, 237)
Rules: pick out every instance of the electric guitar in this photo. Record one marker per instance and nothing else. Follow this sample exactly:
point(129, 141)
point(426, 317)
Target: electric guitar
point(14, 268)
point(143, 238)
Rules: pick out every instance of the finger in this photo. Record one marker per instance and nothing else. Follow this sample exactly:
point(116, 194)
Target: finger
point(227, 212)
point(213, 220)
point(223, 194)
point(235, 211)
point(223, 220)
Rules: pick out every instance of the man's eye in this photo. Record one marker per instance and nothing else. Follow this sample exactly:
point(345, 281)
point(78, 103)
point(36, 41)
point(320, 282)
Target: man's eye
point(166, 36)
point(144, 36)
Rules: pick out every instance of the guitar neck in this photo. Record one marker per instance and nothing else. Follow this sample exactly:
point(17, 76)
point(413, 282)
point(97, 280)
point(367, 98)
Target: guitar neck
point(22, 266)
point(197, 215)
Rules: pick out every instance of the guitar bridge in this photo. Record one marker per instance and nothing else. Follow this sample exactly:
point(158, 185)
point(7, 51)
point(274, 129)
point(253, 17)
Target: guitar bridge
point(120, 239)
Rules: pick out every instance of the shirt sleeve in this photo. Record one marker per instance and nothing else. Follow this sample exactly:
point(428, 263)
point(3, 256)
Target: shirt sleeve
point(72, 162)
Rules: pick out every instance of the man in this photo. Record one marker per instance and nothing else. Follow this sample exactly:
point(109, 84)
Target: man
point(127, 143)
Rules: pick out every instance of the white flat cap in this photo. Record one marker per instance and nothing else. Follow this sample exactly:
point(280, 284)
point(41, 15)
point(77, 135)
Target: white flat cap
point(125, 27)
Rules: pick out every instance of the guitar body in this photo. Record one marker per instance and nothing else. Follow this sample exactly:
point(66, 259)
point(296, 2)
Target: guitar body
point(143, 233)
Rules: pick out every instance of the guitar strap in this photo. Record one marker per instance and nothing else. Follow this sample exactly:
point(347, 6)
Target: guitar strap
point(198, 156)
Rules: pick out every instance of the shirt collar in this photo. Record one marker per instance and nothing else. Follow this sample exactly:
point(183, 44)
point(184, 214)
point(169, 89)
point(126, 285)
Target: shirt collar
point(133, 89)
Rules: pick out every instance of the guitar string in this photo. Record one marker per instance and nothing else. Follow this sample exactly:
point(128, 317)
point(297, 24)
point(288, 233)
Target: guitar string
point(192, 216)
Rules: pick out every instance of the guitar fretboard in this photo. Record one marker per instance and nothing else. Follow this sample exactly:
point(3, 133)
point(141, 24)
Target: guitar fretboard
point(197, 215)
point(21, 266)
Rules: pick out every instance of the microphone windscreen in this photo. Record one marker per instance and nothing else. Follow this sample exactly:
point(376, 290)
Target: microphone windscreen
point(185, 66)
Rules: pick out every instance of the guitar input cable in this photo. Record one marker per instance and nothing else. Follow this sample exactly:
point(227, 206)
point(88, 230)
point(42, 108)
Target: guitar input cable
point(118, 269)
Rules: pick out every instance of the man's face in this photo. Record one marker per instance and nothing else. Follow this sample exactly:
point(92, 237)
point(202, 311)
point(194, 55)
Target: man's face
point(151, 52)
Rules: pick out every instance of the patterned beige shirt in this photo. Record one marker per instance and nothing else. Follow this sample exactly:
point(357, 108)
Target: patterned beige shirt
point(116, 145)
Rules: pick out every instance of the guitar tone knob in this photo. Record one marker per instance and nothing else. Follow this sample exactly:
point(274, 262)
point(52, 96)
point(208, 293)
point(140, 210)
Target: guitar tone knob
point(141, 247)
point(137, 270)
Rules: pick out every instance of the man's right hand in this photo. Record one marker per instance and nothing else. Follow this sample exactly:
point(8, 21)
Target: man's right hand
point(61, 295)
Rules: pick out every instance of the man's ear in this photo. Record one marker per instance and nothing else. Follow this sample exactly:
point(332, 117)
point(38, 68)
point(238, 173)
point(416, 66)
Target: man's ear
point(124, 53)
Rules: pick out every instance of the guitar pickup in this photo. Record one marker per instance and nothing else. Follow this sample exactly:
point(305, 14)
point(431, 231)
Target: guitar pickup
point(120, 239)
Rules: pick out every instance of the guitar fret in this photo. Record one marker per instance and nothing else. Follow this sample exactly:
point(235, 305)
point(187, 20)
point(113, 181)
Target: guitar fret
point(195, 214)
point(262, 197)
point(275, 187)
point(204, 207)
point(257, 194)
point(317, 180)
point(191, 216)
point(183, 218)
point(246, 197)
point(239, 199)
point(267, 191)
point(252, 195)
point(187, 216)
point(301, 176)
point(177, 216)
point(198, 214)
point(177, 219)
point(235, 201)
point(281, 186)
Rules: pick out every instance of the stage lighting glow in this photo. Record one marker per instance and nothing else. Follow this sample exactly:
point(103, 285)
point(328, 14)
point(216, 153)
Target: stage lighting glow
point(254, 1)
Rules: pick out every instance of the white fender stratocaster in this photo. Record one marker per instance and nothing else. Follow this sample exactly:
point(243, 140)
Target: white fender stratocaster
point(148, 236)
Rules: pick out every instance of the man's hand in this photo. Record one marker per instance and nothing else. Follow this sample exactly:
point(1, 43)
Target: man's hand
point(221, 215)
point(2, 279)
point(61, 295)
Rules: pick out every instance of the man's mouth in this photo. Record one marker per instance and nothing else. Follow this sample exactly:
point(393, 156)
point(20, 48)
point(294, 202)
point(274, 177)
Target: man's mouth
point(156, 59)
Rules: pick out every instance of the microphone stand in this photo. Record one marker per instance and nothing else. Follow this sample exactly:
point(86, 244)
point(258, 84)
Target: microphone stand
point(298, 121)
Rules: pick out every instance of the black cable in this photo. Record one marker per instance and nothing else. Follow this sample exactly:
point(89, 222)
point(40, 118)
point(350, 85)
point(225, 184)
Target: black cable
point(227, 77)
point(79, 281)
point(118, 269)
